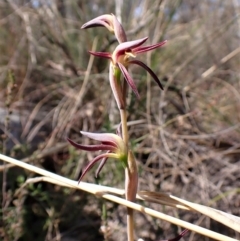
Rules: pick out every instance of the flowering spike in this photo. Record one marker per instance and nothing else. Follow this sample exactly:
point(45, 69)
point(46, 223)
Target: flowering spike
point(148, 70)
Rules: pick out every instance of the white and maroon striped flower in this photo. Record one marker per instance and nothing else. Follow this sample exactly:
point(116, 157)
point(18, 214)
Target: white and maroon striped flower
point(125, 54)
point(111, 143)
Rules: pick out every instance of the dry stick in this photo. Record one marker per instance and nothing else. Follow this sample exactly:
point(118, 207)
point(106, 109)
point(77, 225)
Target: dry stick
point(222, 217)
point(94, 189)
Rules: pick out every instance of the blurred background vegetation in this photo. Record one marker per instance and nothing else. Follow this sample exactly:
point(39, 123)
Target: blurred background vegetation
point(186, 139)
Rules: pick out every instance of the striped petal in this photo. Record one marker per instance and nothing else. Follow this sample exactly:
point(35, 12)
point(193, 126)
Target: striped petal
point(129, 79)
point(111, 23)
point(106, 138)
point(101, 21)
point(101, 54)
point(118, 30)
point(96, 159)
point(102, 163)
point(101, 147)
point(148, 70)
point(143, 49)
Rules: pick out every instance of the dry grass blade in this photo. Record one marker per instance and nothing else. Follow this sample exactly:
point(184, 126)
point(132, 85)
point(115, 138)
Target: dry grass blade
point(225, 218)
point(94, 189)
point(161, 198)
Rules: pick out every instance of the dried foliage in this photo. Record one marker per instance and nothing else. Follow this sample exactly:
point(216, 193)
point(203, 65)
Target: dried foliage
point(186, 137)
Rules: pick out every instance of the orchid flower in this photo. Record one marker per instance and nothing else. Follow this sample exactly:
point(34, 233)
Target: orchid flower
point(111, 23)
point(111, 143)
point(120, 59)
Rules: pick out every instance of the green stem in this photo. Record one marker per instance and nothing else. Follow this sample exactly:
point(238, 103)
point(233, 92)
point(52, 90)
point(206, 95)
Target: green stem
point(131, 184)
point(123, 115)
point(130, 221)
point(131, 174)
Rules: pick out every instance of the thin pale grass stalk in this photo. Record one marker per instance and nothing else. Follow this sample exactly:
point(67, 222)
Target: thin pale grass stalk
point(94, 189)
point(225, 218)
point(35, 111)
point(212, 69)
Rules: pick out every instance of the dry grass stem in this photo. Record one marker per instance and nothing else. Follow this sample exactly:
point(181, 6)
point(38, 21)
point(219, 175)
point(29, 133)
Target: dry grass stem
point(94, 189)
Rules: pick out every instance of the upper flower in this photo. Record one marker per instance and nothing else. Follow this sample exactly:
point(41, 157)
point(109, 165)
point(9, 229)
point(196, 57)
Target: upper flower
point(121, 58)
point(111, 143)
point(111, 23)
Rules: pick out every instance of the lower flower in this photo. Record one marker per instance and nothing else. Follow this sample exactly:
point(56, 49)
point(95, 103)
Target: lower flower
point(111, 143)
